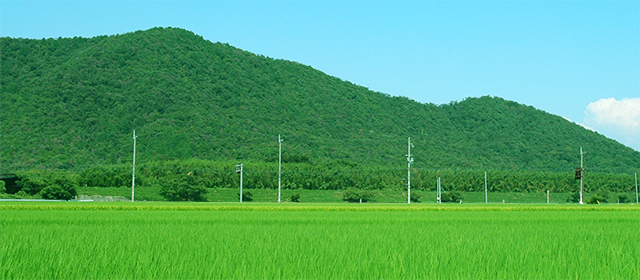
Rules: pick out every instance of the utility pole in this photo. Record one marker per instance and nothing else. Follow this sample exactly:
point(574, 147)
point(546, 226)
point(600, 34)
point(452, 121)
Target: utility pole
point(239, 170)
point(279, 164)
point(486, 196)
point(409, 162)
point(439, 192)
point(581, 176)
point(133, 173)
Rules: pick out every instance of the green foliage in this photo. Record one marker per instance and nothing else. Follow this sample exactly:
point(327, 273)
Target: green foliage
point(108, 176)
point(415, 196)
point(356, 195)
point(600, 197)
point(61, 188)
point(623, 198)
point(71, 103)
point(339, 175)
point(56, 191)
point(596, 199)
point(48, 184)
point(201, 107)
point(32, 183)
point(454, 196)
point(183, 188)
point(247, 196)
point(295, 197)
point(574, 197)
point(3, 189)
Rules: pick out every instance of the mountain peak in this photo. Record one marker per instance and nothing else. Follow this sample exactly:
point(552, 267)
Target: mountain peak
point(76, 101)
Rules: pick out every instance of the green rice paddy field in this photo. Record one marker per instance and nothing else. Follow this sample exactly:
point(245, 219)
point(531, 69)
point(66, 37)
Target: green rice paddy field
point(76, 240)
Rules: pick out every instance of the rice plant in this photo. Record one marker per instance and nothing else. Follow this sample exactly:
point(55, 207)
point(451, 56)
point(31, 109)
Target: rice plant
point(231, 241)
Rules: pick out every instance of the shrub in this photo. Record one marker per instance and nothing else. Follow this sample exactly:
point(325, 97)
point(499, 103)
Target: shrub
point(56, 192)
point(415, 196)
point(295, 197)
point(600, 197)
point(623, 198)
point(454, 196)
point(355, 195)
point(574, 197)
point(246, 196)
point(34, 182)
point(3, 189)
point(183, 188)
point(62, 187)
point(596, 199)
point(31, 184)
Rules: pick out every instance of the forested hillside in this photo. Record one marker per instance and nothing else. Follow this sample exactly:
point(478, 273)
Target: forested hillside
point(74, 102)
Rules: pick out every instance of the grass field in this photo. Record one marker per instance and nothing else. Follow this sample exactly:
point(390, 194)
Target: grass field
point(65, 240)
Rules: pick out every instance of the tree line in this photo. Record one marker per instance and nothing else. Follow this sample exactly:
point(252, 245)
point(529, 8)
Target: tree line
point(337, 175)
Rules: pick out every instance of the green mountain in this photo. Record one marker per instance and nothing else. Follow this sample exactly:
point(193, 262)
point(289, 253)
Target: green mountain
point(72, 102)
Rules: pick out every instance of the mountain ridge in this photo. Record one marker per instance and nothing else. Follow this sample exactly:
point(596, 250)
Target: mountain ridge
point(75, 101)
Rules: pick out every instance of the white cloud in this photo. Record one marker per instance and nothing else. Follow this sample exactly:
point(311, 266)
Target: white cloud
point(624, 114)
point(618, 117)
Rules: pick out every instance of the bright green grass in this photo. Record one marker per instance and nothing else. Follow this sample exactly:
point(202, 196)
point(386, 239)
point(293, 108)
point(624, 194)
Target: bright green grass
point(63, 240)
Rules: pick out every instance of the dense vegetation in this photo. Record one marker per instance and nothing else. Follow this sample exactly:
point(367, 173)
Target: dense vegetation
point(225, 241)
point(72, 104)
point(190, 179)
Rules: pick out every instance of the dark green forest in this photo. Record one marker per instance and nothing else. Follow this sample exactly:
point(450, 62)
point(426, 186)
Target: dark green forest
point(72, 104)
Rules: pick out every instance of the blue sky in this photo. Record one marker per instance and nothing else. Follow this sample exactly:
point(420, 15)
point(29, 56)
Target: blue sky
point(576, 59)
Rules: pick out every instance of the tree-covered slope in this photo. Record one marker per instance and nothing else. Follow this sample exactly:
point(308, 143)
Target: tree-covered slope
point(75, 101)
point(513, 136)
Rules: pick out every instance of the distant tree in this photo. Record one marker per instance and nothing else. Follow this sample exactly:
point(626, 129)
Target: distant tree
point(48, 184)
point(183, 188)
point(600, 197)
point(454, 196)
point(356, 195)
point(31, 183)
point(57, 192)
point(623, 198)
point(107, 176)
